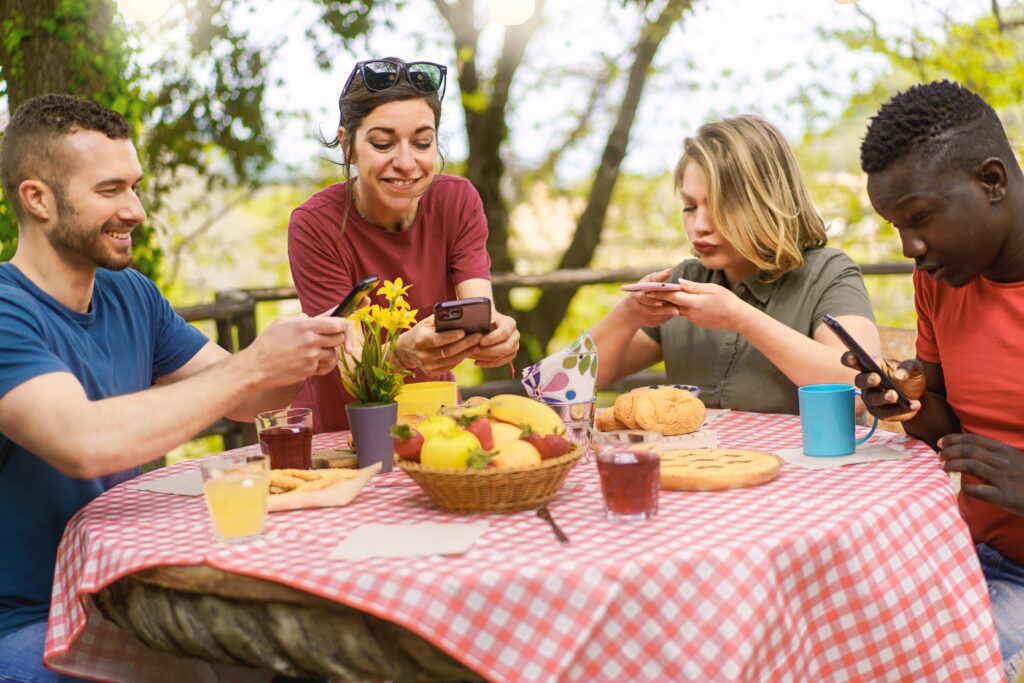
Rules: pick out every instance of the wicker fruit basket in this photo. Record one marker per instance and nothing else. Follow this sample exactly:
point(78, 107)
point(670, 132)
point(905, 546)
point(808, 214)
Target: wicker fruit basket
point(493, 489)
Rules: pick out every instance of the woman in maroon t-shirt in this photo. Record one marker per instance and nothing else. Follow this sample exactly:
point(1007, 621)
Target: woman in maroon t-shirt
point(395, 217)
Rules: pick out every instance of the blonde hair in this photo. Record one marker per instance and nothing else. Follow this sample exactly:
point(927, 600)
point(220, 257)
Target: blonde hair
point(756, 195)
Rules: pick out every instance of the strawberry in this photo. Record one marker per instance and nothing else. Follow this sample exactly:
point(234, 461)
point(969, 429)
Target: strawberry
point(556, 446)
point(408, 442)
point(480, 427)
point(536, 440)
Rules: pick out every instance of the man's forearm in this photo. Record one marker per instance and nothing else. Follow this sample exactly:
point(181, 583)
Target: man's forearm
point(156, 420)
point(268, 399)
point(935, 420)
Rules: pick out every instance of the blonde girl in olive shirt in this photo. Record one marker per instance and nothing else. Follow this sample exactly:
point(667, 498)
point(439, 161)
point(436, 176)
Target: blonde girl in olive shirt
point(747, 327)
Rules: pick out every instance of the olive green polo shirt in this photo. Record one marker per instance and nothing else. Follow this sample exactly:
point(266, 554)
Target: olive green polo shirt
point(730, 372)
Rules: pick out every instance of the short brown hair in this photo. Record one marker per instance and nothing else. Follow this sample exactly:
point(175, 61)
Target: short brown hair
point(756, 194)
point(31, 141)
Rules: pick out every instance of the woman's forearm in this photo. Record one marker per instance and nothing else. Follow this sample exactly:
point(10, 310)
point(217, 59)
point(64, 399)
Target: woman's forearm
point(806, 360)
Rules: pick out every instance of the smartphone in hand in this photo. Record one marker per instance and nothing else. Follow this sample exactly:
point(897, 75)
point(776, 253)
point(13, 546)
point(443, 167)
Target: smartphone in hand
point(653, 287)
point(865, 359)
point(470, 315)
point(359, 291)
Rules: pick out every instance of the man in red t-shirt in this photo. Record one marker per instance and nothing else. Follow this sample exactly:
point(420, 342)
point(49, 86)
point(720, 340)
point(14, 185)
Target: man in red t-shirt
point(942, 171)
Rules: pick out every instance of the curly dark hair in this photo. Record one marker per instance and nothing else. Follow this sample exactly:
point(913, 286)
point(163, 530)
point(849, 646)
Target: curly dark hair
point(945, 119)
point(31, 146)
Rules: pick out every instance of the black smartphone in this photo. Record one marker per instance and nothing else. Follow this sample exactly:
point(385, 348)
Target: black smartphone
point(865, 359)
point(471, 315)
point(359, 291)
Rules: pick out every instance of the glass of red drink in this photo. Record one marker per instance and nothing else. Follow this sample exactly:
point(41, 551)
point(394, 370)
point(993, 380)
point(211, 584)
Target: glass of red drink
point(630, 471)
point(286, 437)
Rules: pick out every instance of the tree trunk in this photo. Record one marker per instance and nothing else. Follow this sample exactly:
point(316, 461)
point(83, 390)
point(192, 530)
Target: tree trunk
point(42, 61)
point(485, 112)
point(541, 321)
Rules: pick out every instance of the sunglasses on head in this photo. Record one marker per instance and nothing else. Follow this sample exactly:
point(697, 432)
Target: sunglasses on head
point(381, 74)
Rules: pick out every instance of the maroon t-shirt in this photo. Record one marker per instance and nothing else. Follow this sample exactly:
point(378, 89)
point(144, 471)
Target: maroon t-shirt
point(446, 245)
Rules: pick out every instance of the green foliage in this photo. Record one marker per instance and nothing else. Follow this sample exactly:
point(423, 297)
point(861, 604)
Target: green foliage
point(348, 20)
point(100, 69)
point(200, 108)
point(207, 109)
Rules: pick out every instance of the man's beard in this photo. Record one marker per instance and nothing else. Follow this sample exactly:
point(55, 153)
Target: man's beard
point(70, 237)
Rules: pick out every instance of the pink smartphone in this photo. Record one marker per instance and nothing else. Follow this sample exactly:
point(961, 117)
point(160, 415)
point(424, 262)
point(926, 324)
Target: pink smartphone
point(653, 287)
point(471, 315)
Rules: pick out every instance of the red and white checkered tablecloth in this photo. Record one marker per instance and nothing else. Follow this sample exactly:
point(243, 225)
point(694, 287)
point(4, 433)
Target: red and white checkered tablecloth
point(855, 573)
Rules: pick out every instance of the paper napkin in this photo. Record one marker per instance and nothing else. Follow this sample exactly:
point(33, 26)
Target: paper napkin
point(408, 540)
point(568, 376)
point(880, 447)
point(187, 483)
point(702, 438)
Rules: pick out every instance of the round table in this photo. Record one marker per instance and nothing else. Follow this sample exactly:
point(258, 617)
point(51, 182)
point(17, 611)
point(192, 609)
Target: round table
point(849, 573)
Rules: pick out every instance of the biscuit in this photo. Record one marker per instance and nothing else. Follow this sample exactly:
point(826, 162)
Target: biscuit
point(716, 469)
point(624, 410)
point(667, 410)
point(292, 480)
point(606, 421)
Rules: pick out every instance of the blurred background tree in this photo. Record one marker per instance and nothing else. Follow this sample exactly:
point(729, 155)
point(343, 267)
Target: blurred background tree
point(198, 109)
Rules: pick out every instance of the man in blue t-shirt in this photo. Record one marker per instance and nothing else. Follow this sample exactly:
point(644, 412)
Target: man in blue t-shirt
point(97, 373)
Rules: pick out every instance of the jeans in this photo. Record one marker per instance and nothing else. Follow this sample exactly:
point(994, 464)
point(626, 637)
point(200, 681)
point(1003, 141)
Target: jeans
point(1005, 581)
point(21, 657)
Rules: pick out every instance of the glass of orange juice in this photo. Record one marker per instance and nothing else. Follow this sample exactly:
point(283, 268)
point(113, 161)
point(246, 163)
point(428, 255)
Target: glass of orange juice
point(236, 488)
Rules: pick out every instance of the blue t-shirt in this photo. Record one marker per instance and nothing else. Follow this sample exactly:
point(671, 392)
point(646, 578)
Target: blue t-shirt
point(129, 337)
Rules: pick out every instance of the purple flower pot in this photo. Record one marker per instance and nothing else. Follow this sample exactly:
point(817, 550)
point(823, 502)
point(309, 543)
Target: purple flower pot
point(371, 433)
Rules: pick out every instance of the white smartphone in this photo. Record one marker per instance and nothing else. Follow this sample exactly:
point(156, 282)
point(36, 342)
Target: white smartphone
point(653, 287)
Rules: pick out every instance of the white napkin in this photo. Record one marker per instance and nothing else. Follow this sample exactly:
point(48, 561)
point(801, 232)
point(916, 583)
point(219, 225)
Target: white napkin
point(187, 483)
point(408, 540)
point(879, 447)
point(567, 376)
point(713, 414)
point(704, 438)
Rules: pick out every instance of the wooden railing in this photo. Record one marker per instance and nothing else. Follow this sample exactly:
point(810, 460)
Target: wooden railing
point(234, 312)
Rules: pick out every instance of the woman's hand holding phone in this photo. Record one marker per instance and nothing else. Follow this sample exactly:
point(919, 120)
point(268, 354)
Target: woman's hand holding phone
point(434, 353)
point(646, 310)
point(500, 346)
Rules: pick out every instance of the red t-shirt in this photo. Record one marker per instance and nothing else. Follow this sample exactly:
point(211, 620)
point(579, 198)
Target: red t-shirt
point(446, 245)
point(976, 333)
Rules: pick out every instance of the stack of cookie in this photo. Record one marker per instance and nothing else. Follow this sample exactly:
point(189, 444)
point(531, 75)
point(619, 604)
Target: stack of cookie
point(665, 409)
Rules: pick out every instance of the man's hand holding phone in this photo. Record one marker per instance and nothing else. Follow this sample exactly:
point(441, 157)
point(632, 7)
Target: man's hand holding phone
point(882, 387)
point(891, 390)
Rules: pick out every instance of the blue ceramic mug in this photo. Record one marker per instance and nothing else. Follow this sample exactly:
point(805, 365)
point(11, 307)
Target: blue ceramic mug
point(826, 419)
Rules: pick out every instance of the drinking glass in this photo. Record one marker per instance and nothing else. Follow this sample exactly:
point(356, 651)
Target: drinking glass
point(286, 437)
point(236, 488)
point(630, 471)
point(579, 422)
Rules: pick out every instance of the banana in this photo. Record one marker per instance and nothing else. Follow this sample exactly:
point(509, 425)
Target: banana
point(520, 410)
point(475, 406)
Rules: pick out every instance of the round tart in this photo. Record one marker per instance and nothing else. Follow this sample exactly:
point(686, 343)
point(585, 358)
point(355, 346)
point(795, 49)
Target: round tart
point(715, 469)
